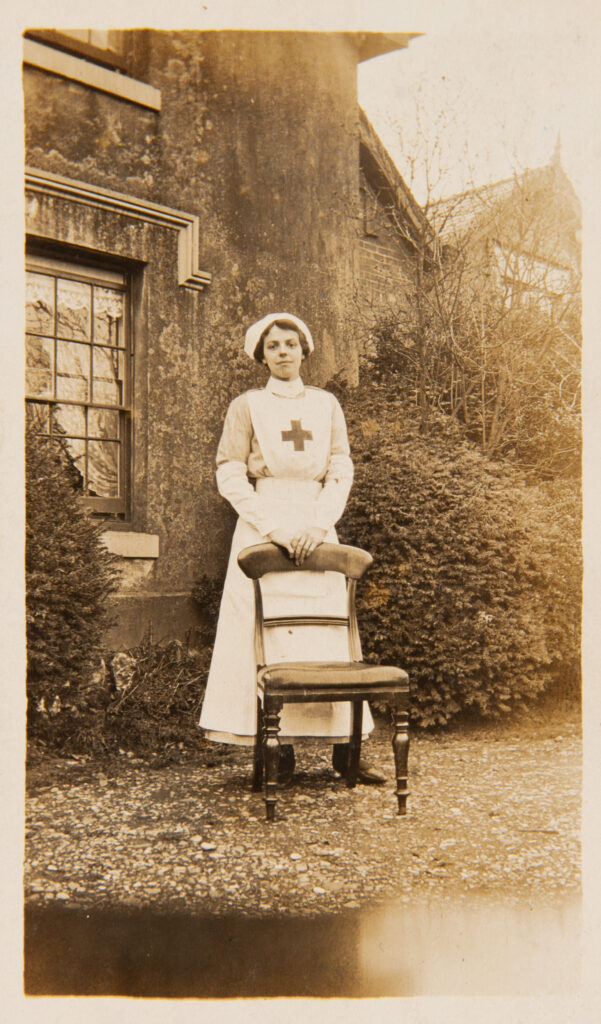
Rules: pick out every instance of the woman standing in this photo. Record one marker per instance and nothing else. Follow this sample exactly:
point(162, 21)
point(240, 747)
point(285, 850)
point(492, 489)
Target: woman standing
point(283, 463)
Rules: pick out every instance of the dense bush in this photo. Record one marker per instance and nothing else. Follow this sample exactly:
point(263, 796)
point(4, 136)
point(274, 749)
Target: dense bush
point(154, 692)
point(80, 698)
point(69, 576)
point(207, 591)
point(155, 695)
point(475, 589)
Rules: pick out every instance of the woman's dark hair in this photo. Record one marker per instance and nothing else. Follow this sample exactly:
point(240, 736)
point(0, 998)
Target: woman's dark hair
point(288, 325)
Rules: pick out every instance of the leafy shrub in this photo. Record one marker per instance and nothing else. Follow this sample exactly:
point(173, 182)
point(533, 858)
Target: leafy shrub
point(145, 700)
point(511, 377)
point(475, 589)
point(207, 593)
point(156, 692)
point(69, 576)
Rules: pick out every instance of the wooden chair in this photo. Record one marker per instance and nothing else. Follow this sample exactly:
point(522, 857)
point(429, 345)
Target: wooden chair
point(302, 681)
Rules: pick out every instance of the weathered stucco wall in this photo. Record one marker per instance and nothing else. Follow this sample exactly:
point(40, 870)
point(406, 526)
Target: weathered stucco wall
point(258, 136)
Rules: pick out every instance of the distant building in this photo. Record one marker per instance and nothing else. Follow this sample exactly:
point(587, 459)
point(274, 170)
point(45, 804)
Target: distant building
point(179, 186)
point(508, 271)
point(529, 230)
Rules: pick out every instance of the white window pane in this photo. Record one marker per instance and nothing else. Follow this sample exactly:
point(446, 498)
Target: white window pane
point(73, 310)
point(39, 304)
point(39, 357)
point(69, 420)
point(103, 469)
point(107, 379)
point(37, 416)
point(103, 423)
point(76, 451)
point(96, 36)
point(108, 316)
point(72, 371)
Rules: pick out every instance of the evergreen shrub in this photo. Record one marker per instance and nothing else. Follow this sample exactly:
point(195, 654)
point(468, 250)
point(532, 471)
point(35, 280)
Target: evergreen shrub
point(207, 591)
point(475, 589)
point(69, 576)
point(156, 692)
point(156, 689)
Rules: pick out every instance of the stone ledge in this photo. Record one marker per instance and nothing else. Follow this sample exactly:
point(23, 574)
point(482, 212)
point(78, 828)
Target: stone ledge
point(187, 225)
point(63, 64)
point(128, 544)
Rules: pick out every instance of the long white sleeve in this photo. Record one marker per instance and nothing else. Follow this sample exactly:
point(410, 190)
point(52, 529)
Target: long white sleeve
point(232, 460)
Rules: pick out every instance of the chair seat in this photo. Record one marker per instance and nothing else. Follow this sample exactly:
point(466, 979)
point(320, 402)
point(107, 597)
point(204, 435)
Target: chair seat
point(291, 674)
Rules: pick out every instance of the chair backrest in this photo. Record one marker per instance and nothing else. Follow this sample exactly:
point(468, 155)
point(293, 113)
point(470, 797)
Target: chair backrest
point(260, 559)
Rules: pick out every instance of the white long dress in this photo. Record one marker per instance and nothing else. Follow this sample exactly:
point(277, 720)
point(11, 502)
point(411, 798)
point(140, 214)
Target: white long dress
point(292, 441)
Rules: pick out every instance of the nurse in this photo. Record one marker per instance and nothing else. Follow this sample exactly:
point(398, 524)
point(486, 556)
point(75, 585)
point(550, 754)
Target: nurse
point(283, 463)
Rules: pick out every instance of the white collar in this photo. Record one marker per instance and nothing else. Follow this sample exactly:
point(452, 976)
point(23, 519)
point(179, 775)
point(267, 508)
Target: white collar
point(285, 388)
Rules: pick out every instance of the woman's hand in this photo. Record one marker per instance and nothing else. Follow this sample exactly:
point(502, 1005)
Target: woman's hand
point(283, 538)
point(299, 543)
point(305, 541)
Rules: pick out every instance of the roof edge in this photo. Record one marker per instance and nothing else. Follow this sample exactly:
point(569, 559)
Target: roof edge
point(376, 44)
point(381, 164)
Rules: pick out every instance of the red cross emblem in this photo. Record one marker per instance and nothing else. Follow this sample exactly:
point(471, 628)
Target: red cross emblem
point(297, 435)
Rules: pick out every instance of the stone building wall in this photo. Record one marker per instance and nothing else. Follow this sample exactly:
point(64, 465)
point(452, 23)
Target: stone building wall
point(256, 138)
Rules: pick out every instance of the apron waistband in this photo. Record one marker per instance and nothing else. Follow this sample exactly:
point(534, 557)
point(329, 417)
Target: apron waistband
point(289, 488)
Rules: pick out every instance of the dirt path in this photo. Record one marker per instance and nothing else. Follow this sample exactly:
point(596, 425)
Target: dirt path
point(493, 813)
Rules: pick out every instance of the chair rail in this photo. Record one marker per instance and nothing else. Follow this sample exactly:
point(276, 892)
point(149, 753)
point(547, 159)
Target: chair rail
point(306, 620)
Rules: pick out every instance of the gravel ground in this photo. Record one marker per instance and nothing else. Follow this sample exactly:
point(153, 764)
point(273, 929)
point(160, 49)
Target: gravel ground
point(493, 814)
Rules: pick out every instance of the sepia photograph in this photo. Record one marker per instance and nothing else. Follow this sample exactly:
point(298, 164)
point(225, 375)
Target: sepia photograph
point(297, 429)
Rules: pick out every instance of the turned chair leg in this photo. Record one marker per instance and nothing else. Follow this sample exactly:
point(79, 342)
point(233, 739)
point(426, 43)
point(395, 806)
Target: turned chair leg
point(258, 751)
point(271, 752)
point(354, 752)
point(400, 747)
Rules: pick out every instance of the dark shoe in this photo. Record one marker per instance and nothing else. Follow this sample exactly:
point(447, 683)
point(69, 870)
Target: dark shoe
point(366, 775)
point(286, 765)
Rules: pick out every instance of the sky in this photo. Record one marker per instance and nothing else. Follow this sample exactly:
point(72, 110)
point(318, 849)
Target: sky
point(488, 96)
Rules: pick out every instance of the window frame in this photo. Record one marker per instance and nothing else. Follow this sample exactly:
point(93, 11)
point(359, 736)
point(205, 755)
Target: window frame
point(70, 267)
point(61, 40)
point(369, 205)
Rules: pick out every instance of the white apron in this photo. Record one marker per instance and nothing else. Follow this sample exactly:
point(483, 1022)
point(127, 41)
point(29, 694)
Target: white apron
point(229, 711)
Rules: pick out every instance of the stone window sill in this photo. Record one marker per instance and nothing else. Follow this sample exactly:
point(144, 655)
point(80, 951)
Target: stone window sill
point(66, 66)
point(128, 544)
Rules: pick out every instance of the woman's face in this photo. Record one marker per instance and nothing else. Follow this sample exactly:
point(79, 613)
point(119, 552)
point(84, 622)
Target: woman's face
point(282, 353)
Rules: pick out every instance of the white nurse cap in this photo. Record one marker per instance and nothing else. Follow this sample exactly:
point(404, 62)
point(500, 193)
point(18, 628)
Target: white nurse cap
point(254, 332)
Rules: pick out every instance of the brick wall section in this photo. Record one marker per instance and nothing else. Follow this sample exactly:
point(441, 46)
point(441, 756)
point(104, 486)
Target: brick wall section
point(385, 261)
